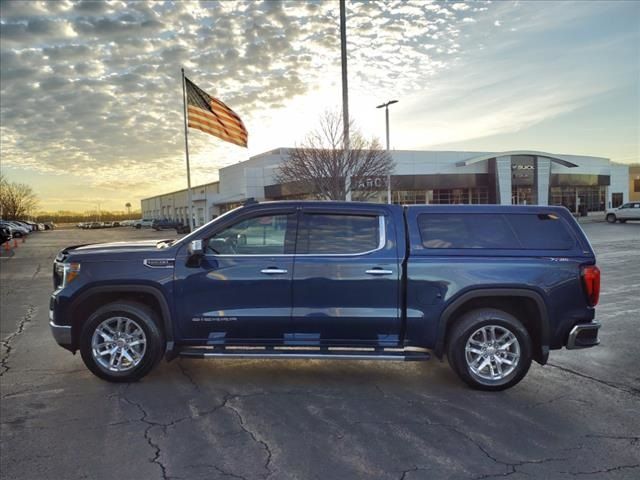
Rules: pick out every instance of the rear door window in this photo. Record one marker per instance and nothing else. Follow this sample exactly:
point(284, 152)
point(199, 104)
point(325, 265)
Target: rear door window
point(494, 231)
point(326, 234)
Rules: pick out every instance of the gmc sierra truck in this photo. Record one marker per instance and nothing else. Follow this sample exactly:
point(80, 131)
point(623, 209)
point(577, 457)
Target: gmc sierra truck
point(490, 287)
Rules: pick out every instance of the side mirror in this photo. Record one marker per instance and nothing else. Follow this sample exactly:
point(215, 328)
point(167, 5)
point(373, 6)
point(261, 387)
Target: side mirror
point(195, 248)
point(196, 252)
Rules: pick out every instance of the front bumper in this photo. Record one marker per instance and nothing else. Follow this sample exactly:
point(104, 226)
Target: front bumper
point(61, 334)
point(583, 335)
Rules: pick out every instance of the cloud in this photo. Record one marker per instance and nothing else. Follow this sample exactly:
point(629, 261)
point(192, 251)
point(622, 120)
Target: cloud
point(93, 88)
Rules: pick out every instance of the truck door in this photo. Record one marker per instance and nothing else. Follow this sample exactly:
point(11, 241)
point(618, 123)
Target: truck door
point(346, 278)
point(241, 291)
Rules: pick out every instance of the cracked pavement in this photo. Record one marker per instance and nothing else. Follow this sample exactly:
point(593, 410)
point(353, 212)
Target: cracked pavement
point(262, 419)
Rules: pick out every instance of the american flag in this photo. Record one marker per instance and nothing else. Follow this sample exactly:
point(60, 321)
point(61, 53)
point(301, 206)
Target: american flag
point(210, 115)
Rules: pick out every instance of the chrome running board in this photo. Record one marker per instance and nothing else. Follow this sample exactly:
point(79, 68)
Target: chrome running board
point(306, 354)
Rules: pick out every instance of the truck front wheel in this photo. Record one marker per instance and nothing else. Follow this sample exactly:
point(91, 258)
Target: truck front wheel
point(121, 341)
point(489, 349)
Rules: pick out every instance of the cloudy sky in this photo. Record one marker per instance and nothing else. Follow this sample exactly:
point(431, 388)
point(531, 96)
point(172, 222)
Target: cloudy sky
point(91, 99)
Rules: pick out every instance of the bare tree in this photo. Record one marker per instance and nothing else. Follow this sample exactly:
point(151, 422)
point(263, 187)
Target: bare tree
point(17, 200)
point(128, 206)
point(320, 167)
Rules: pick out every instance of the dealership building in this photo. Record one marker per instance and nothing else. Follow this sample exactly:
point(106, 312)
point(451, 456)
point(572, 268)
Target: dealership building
point(581, 183)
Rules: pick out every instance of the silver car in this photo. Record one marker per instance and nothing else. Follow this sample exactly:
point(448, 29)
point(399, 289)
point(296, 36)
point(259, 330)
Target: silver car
point(627, 211)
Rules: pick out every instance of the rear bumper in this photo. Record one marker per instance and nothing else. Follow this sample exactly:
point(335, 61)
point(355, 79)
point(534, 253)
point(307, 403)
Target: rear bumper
point(583, 335)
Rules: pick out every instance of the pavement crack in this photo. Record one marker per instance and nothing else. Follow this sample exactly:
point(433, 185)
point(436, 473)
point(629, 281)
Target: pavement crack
point(7, 343)
point(622, 388)
point(252, 434)
point(144, 418)
point(510, 467)
point(147, 436)
point(606, 470)
point(404, 473)
point(187, 375)
point(221, 471)
point(35, 274)
point(228, 474)
point(632, 439)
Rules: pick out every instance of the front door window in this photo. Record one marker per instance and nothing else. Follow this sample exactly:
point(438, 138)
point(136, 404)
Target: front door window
point(263, 235)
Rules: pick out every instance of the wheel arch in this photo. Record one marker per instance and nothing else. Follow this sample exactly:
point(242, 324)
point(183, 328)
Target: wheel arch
point(508, 299)
point(91, 299)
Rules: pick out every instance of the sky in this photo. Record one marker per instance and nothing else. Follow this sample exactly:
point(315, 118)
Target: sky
point(91, 97)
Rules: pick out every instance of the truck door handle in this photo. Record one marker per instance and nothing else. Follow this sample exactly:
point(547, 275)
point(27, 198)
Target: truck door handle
point(273, 271)
point(378, 271)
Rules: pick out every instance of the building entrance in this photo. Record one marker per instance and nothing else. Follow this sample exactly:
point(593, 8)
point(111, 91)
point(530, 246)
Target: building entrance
point(522, 195)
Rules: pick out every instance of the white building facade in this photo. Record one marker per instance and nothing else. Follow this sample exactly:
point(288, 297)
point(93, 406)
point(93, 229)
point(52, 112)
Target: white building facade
point(581, 183)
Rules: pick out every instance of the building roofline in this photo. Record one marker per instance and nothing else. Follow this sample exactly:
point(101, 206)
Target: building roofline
point(552, 156)
point(181, 190)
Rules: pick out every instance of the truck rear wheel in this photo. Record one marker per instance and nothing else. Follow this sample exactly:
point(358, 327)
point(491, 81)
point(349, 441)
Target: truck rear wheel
point(121, 341)
point(489, 349)
point(611, 218)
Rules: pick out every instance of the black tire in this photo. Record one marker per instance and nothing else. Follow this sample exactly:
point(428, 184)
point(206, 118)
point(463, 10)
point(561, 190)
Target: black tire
point(138, 226)
point(465, 328)
point(611, 218)
point(148, 322)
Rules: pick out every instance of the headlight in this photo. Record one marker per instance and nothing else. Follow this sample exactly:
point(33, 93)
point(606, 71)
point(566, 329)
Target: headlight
point(70, 273)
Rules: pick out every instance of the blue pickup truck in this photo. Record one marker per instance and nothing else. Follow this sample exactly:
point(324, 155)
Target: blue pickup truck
point(490, 287)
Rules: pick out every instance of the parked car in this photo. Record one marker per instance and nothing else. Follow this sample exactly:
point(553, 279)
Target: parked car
point(17, 230)
point(30, 226)
point(49, 226)
point(143, 223)
point(166, 225)
point(490, 287)
point(628, 211)
point(107, 224)
point(5, 234)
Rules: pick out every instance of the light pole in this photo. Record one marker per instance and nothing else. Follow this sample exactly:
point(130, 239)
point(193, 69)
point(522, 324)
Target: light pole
point(345, 96)
point(386, 115)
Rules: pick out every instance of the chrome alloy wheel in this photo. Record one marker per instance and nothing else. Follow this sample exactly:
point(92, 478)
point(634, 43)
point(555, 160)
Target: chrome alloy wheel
point(492, 352)
point(118, 344)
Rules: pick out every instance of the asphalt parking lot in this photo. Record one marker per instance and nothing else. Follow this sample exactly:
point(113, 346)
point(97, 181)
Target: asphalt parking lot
point(579, 416)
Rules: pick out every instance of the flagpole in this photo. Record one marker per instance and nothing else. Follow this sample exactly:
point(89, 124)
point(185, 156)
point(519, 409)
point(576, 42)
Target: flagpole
point(186, 151)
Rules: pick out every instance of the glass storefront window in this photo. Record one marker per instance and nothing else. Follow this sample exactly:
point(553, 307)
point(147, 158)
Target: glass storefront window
point(445, 196)
point(594, 197)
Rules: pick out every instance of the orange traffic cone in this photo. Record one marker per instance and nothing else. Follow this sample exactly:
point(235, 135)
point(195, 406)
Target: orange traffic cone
point(15, 243)
point(7, 247)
